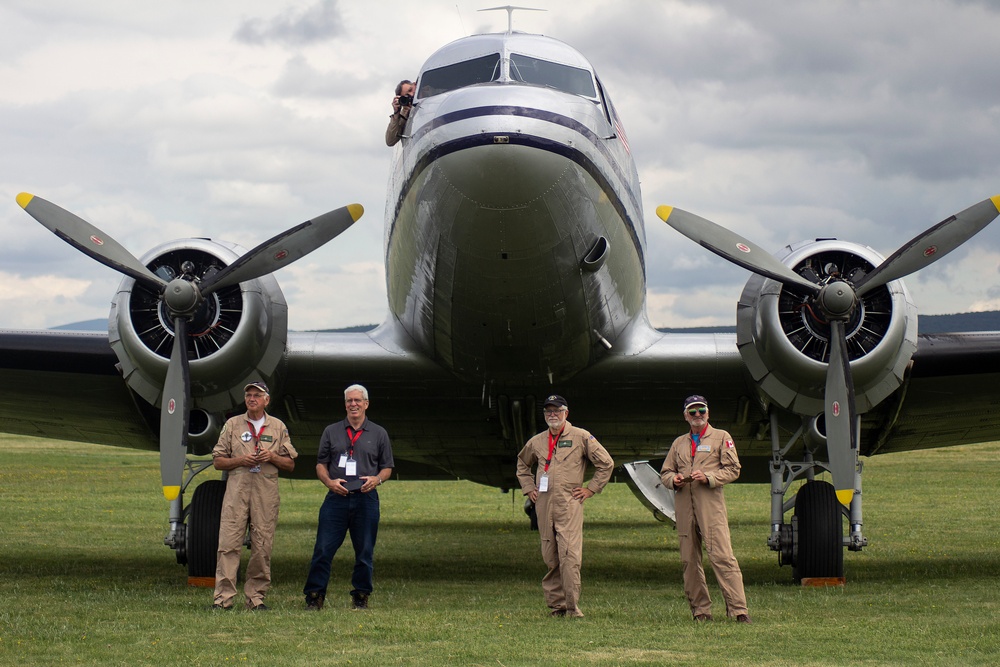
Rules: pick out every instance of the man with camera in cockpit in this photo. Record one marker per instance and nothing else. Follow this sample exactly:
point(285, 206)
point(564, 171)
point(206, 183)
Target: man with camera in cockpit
point(401, 105)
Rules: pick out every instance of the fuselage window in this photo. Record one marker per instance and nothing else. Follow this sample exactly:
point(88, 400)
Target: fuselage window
point(450, 77)
point(544, 73)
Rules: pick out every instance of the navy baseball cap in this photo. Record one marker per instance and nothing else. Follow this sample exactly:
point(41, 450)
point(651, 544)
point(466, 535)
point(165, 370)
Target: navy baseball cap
point(695, 400)
point(257, 385)
point(555, 400)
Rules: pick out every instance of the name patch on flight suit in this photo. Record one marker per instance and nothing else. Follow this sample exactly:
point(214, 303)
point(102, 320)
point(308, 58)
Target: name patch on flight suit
point(704, 448)
point(267, 438)
point(565, 443)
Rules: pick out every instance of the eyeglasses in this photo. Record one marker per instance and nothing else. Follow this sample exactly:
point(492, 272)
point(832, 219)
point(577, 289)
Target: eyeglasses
point(255, 396)
point(697, 411)
point(351, 401)
point(552, 412)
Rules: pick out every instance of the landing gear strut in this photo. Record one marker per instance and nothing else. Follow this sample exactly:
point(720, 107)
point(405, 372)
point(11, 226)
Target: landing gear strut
point(196, 543)
point(814, 540)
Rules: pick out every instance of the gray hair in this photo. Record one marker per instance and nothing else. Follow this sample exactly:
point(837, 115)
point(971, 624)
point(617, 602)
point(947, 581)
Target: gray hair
point(356, 387)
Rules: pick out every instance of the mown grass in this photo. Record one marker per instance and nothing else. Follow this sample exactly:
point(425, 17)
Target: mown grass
point(84, 578)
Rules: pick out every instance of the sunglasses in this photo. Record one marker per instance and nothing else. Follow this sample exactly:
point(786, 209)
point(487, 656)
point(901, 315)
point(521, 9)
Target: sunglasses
point(697, 411)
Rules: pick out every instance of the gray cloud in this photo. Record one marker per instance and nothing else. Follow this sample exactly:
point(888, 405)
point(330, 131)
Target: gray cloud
point(868, 121)
point(318, 23)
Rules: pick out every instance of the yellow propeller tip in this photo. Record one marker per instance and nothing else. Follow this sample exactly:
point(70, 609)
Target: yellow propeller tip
point(24, 199)
point(845, 497)
point(171, 492)
point(996, 201)
point(664, 212)
point(356, 211)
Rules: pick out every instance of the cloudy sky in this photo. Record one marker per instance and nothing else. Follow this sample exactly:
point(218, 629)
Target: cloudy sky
point(236, 119)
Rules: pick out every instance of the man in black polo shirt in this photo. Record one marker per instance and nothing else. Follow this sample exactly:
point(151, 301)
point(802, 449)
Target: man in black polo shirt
point(355, 456)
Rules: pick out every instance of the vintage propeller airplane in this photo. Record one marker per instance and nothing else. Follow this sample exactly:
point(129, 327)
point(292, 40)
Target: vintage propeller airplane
point(515, 260)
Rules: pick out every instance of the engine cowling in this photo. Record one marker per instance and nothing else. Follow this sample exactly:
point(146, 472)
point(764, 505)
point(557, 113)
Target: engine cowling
point(237, 335)
point(784, 343)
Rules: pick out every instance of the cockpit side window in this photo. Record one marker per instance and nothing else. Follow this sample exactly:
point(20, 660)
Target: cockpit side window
point(467, 73)
point(574, 80)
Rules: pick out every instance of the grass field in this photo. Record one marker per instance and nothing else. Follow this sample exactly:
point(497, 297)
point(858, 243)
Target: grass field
point(85, 579)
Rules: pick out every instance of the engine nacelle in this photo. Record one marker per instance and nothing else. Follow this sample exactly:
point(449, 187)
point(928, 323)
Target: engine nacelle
point(785, 345)
point(237, 335)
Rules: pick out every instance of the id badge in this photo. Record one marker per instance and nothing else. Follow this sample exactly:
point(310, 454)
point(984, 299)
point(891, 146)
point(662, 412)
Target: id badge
point(543, 484)
point(343, 461)
point(704, 448)
point(351, 468)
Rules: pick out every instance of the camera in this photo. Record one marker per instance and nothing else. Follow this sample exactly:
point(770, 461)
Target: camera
point(406, 100)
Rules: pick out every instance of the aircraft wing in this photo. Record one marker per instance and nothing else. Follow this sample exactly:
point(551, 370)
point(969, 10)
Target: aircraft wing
point(65, 385)
point(950, 397)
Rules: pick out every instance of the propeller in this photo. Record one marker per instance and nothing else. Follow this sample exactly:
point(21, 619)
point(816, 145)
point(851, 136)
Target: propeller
point(182, 297)
point(836, 301)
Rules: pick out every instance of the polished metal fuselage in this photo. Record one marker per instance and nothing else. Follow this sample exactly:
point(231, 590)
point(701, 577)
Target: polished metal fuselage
point(514, 237)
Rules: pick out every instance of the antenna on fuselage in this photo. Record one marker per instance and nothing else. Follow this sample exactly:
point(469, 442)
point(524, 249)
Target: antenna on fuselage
point(510, 14)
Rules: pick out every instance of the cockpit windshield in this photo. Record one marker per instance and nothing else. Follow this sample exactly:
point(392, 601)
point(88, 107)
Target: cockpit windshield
point(466, 73)
point(568, 79)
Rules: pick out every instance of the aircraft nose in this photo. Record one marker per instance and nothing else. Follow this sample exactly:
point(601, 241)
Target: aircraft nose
point(504, 175)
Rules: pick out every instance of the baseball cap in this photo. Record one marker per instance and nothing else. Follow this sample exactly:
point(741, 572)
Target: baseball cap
point(555, 400)
point(695, 399)
point(258, 385)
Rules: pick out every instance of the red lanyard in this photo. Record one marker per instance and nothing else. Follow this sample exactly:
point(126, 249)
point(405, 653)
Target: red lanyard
point(552, 446)
point(256, 435)
point(353, 439)
point(696, 440)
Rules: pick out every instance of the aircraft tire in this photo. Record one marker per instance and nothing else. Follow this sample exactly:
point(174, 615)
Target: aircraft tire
point(532, 512)
point(820, 533)
point(203, 527)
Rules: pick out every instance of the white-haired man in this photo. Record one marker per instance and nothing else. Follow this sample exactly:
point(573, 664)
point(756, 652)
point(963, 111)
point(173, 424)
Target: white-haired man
point(355, 457)
point(559, 456)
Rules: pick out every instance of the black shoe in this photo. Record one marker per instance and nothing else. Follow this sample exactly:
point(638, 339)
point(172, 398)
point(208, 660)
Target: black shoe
point(701, 618)
point(743, 618)
point(558, 612)
point(219, 607)
point(314, 601)
point(260, 607)
point(359, 600)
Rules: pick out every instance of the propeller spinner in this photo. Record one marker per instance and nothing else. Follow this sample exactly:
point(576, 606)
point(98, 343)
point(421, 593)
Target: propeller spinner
point(835, 301)
point(182, 296)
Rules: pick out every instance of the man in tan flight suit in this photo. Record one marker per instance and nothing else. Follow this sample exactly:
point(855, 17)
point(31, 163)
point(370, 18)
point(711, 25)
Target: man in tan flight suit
point(561, 454)
point(252, 447)
point(697, 466)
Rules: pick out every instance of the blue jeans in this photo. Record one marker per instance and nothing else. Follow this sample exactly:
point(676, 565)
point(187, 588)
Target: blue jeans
point(357, 513)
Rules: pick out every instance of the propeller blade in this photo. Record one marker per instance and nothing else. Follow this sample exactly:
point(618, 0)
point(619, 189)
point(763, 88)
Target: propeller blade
point(733, 247)
point(174, 414)
point(841, 431)
point(87, 238)
point(284, 248)
point(932, 245)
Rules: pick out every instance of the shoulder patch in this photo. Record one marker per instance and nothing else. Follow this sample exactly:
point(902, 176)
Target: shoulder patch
point(730, 444)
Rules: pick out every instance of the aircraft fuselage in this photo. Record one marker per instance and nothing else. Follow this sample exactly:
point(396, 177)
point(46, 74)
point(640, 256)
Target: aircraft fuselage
point(514, 236)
